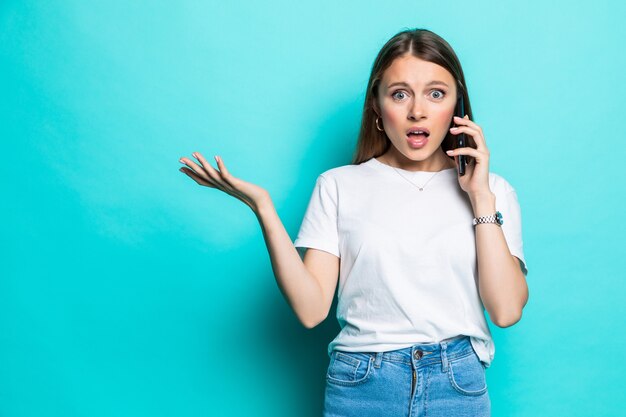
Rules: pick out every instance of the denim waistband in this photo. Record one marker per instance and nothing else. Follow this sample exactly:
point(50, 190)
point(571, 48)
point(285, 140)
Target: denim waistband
point(423, 354)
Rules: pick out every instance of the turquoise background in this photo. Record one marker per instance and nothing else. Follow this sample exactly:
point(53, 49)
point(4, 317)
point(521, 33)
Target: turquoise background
point(128, 290)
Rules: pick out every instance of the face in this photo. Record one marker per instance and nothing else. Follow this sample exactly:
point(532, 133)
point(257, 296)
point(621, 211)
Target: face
point(425, 98)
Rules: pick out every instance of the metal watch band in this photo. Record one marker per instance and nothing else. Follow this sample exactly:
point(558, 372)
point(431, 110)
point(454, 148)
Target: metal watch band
point(494, 218)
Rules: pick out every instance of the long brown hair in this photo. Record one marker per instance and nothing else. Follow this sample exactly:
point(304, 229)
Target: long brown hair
point(425, 45)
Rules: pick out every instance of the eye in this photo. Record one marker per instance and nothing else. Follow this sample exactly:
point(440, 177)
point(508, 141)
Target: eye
point(443, 93)
point(395, 93)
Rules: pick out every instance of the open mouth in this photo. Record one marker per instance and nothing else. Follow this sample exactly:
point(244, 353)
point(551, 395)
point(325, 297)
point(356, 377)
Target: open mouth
point(417, 136)
point(417, 132)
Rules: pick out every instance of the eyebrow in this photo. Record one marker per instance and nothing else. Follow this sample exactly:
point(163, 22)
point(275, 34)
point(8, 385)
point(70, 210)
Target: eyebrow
point(434, 82)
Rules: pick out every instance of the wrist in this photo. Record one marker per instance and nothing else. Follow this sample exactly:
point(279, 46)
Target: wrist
point(483, 204)
point(263, 207)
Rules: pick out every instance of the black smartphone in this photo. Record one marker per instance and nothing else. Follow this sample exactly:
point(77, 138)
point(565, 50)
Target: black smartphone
point(460, 138)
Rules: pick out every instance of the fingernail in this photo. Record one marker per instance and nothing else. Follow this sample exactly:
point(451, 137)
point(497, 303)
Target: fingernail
point(217, 158)
point(449, 152)
point(181, 161)
point(453, 128)
point(195, 155)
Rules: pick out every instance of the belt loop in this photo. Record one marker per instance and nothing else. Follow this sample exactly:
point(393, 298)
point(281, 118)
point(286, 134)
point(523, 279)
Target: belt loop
point(444, 356)
point(378, 359)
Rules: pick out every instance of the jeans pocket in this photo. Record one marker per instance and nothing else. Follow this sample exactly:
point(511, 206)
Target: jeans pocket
point(349, 368)
point(467, 375)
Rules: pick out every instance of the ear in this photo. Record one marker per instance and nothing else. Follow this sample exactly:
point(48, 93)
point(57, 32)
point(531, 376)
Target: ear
point(375, 106)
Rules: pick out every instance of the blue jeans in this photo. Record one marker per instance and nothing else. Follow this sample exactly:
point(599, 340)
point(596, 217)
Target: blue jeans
point(425, 380)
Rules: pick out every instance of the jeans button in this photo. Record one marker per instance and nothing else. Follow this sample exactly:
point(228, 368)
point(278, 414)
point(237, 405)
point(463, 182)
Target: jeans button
point(418, 354)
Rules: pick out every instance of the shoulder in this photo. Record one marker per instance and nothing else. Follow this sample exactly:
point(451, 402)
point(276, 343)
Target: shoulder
point(499, 185)
point(344, 173)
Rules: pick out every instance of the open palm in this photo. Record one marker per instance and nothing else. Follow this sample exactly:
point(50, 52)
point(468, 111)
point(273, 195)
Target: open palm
point(204, 174)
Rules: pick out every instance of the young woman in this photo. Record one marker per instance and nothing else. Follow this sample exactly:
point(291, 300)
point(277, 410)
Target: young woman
point(406, 237)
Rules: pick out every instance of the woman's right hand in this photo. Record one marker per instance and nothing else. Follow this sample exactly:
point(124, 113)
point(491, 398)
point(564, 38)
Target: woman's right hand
point(205, 174)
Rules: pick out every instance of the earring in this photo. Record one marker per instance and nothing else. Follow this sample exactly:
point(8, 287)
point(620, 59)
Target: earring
point(377, 127)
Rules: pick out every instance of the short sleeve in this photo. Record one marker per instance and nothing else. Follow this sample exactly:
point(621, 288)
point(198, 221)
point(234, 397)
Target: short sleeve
point(319, 226)
point(512, 226)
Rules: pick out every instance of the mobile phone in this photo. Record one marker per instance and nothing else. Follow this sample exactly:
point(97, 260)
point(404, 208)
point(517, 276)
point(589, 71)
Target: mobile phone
point(460, 138)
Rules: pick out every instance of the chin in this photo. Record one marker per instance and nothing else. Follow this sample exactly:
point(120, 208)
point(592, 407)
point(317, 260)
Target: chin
point(418, 155)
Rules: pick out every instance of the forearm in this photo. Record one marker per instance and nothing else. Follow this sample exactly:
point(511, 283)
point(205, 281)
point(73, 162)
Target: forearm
point(298, 286)
point(501, 282)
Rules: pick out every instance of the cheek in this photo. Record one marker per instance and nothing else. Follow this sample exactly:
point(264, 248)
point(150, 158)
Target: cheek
point(444, 118)
point(391, 117)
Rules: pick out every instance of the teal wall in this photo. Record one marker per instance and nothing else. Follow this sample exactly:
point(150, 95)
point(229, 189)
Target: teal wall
point(128, 290)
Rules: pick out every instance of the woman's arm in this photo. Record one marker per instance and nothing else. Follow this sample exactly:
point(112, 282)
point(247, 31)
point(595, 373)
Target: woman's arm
point(501, 284)
point(302, 291)
point(501, 281)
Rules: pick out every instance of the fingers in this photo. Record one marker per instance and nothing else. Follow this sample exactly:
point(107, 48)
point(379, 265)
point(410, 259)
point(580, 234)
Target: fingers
point(197, 178)
point(473, 133)
point(465, 121)
point(243, 190)
point(225, 174)
point(464, 151)
point(466, 129)
point(222, 180)
point(469, 165)
point(207, 169)
point(468, 126)
point(222, 176)
point(206, 172)
point(203, 161)
point(200, 171)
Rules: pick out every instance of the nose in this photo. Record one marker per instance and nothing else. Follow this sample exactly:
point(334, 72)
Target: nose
point(416, 110)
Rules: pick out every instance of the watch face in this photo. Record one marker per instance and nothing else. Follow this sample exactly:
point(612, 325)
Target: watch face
point(499, 217)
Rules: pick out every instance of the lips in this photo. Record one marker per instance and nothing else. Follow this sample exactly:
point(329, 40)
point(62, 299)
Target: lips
point(417, 142)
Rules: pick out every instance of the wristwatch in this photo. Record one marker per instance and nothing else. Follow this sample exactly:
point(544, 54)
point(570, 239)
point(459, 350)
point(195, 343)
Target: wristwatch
point(494, 218)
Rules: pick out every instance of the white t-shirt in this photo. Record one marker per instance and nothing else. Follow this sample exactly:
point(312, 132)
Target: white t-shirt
point(408, 270)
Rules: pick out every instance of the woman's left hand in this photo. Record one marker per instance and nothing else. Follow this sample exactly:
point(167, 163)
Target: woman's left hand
point(475, 182)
